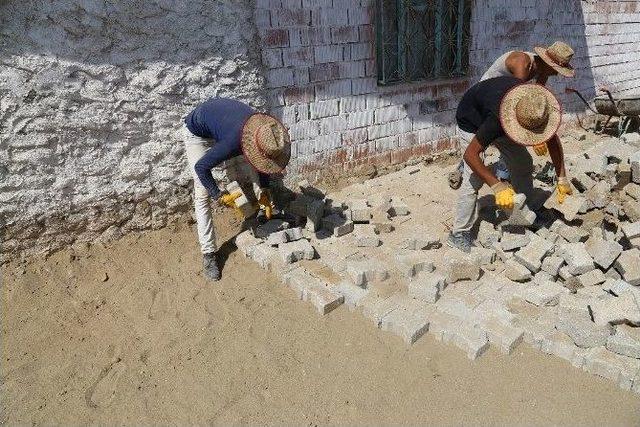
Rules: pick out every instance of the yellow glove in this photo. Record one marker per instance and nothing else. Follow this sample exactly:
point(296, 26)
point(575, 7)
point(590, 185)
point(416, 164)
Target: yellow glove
point(265, 202)
point(541, 149)
point(563, 188)
point(229, 199)
point(504, 195)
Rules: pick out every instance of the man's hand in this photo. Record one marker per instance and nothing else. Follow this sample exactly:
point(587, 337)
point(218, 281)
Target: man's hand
point(563, 188)
point(265, 202)
point(504, 195)
point(229, 199)
point(541, 149)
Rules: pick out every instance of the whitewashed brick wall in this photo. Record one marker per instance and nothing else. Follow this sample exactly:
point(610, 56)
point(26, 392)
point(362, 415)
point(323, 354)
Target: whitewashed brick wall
point(338, 114)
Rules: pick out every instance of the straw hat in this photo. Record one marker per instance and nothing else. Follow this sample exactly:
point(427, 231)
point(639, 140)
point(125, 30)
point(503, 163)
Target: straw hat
point(265, 143)
point(557, 56)
point(530, 114)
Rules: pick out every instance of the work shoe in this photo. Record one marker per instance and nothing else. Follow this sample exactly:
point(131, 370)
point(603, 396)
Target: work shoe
point(461, 241)
point(210, 263)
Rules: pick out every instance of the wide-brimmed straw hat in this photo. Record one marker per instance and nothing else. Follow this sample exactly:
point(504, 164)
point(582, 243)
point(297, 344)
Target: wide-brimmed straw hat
point(557, 56)
point(266, 144)
point(530, 114)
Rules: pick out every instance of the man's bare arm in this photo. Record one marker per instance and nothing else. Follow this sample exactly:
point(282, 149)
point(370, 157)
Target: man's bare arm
point(472, 157)
point(557, 155)
point(519, 64)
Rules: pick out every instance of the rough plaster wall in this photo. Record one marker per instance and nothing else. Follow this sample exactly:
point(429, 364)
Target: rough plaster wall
point(91, 93)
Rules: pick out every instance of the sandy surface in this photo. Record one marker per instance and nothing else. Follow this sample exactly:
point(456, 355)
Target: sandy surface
point(133, 334)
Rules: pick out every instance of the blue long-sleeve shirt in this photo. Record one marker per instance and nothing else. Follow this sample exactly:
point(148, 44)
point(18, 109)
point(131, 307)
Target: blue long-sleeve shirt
point(222, 120)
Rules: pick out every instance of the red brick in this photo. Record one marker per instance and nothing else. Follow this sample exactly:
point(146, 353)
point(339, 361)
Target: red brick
point(297, 56)
point(366, 33)
point(354, 137)
point(275, 38)
point(324, 72)
point(298, 95)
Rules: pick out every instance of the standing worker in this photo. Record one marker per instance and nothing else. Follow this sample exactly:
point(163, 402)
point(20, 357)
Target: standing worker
point(223, 136)
point(526, 66)
point(510, 115)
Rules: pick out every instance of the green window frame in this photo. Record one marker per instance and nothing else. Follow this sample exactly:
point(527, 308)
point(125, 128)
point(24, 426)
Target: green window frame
point(422, 39)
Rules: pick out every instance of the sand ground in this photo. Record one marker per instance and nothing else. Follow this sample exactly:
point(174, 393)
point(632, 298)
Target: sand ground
point(132, 333)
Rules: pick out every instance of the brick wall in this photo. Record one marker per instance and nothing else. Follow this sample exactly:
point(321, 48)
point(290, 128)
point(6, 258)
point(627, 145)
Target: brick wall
point(320, 72)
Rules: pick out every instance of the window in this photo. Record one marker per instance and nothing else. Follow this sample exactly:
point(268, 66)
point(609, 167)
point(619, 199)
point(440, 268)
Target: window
point(422, 39)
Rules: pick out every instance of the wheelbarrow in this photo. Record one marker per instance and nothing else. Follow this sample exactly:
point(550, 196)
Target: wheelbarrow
point(627, 109)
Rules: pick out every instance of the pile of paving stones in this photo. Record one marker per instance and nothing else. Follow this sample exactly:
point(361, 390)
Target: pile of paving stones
point(570, 288)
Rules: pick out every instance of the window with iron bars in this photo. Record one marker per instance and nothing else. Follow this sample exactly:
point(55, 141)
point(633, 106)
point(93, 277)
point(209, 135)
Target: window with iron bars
point(422, 39)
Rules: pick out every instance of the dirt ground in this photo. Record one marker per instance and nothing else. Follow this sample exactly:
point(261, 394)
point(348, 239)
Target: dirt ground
point(133, 334)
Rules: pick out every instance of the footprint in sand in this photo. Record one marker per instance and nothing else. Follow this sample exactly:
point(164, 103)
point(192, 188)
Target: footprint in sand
point(104, 389)
point(159, 304)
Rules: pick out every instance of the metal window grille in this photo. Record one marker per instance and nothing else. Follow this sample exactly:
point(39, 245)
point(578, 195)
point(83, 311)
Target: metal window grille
point(422, 39)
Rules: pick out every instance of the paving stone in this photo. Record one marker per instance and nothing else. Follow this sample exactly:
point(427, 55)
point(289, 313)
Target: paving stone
point(582, 182)
point(574, 302)
point(521, 214)
point(352, 294)
point(311, 191)
point(515, 271)
point(487, 234)
point(363, 272)
point(592, 278)
point(273, 225)
point(426, 286)
point(405, 324)
point(631, 230)
point(284, 236)
point(365, 236)
point(380, 219)
point(485, 255)
point(634, 160)
point(531, 256)
point(569, 208)
point(421, 242)
point(412, 263)
point(582, 330)
point(616, 310)
point(572, 234)
point(376, 309)
point(564, 273)
point(397, 208)
point(577, 258)
point(471, 339)
point(503, 335)
point(295, 251)
point(460, 266)
point(360, 210)
point(315, 212)
point(617, 286)
point(262, 254)
point(337, 224)
point(617, 368)
point(545, 294)
point(628, 266)
point(512, 240)
point(443, 326)
point(625, 341)
point(552, 265)
point(600, 194)
point(561, 345)
point(632, 190)
point(246, 241)
point(542, 276)
point(603, 252)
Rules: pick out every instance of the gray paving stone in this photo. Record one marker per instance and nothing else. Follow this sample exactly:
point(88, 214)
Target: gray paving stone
point(487, 234)
point(363, 272)
point(592, 278)
point(412, 262)
point(603, 252)
point(246, 241)
point(471, 339)
point(295, 251)
point(582, 330)
point(569, 208)
point(337, 224)
point(531, 256)
point(410, 327)
point(572, 234)
point(398, 208)
point(616, 310)
point(352, 294)
point(360, 210)
point(552, 265)
point(545, 294)
point(460, 266)
point(542, 276)
point(631, 230)
point(513, 270)
point(577, 258)
point(628, 265)
point(503, 335)
point(634, 160)
point(443, 326)
point(426, 286)
point(511, 240)
point(271, 226)
point(625, 341)
point(485, 255)
point(284, 236)
point(632, 190)
point(418, 242)
point(521, 214)
point(561, 345)
point(364, 235)
point(617, 368)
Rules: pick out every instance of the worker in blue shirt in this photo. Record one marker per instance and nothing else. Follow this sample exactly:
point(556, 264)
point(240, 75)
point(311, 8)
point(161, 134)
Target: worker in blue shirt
point(221, 134)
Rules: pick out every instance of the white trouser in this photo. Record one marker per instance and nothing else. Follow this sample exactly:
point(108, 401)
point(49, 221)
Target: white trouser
point(520, 165)
point(234, 169)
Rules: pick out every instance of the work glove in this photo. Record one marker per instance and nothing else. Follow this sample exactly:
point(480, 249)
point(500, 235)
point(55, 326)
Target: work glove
point(265, 203)
point(563, 188)
point(541, 149)
point(229, 199)
point(504, 195)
